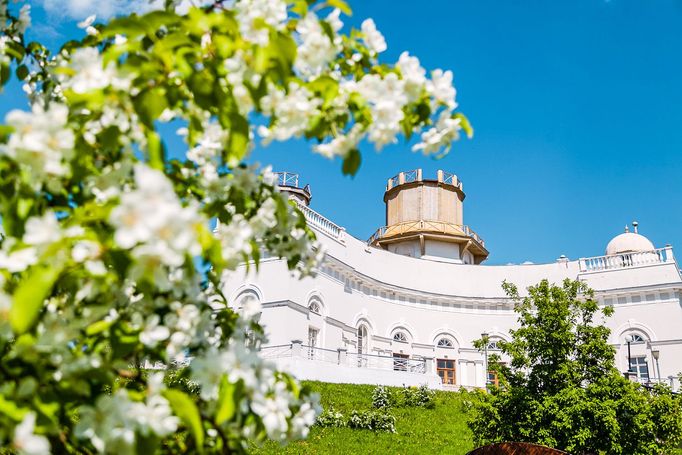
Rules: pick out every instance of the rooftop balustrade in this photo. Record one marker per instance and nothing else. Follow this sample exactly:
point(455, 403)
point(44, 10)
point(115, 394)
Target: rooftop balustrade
point(416, 175)
point(323, 224)
point(287, 179)
point(626, 260)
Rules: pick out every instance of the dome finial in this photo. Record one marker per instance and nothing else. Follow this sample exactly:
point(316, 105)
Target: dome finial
point(635, 224)
point(627, 229)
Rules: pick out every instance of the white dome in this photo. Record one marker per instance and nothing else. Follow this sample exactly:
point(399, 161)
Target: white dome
point(629, 242)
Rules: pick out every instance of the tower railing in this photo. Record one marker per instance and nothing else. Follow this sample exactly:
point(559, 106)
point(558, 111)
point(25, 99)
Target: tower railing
point(287, 179)
point(415, 175)
point(625, 260)
point(425, 226)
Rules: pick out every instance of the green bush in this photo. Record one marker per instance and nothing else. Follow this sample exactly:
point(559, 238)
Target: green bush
point(372, 420)
point(331, 418)
point(381, 398)
point(418, 396)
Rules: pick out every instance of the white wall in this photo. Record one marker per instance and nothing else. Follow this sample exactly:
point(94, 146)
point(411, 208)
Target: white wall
point(426, 298)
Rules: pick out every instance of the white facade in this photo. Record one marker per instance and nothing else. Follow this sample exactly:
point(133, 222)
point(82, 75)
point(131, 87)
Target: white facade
point(368, 304)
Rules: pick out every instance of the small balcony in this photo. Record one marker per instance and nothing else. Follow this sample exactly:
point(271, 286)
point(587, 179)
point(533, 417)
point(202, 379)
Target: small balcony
point(434, 227)
point(627, 260)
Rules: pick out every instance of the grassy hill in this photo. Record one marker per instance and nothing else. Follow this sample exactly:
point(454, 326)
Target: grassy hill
point(418, 430)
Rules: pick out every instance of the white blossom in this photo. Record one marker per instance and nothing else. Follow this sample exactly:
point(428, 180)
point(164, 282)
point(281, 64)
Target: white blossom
point(316, 49)
point(26, 441)
point(235, 238)
point(153, 333)
point(151, 219)
point(386, 97)
point(273, 409)
point(305, 418)
point(446, 130)
point(441, 88)
point(87, 25)
point(373, 38)
point(90, 74)
point(237, 362)
point(341, 144)
point(42, 141)
point(250, 12)
point(413, 75)
point(43, 230)
point(24, 21)
point(292, 110)
point(19, 260)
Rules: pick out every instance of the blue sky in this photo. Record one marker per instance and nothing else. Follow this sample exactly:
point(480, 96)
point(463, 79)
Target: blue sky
point(577, 107)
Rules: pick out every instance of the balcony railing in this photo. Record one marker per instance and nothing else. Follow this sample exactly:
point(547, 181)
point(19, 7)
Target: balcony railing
point(625, 260)
point(287, 179)
point(440, 227)
point(321, 223)
point(415, 175)
point(341, 357)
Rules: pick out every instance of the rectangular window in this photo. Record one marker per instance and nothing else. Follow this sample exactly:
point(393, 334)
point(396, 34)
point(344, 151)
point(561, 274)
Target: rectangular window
point(639, 365)
point(493, 379)
point(446, 371)
point(400, 361)
point(312, 341)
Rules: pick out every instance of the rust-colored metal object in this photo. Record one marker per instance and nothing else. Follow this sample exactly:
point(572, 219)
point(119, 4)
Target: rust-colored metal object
point(516, 448)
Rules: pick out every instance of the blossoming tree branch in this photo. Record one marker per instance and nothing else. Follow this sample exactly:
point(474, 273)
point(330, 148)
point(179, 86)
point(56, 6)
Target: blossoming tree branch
point(114, 331)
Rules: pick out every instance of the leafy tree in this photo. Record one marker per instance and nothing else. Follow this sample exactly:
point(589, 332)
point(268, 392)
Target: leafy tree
point(107, 260)
point(561, 388)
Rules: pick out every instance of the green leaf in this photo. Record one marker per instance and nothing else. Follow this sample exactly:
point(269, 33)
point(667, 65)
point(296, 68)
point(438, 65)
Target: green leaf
point(4, 73)
point(155, 149)
point(183, 407)
point(22, 72)
point(465, 124)
point(342, 5)
point(98, 327)
point(150, 104)
point(238, 142)
point(29, 297)
point(226, 401)
point(11, 410)
point(351, 163)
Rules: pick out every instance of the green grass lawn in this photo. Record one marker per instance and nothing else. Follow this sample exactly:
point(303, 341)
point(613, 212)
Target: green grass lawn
point(418, 430)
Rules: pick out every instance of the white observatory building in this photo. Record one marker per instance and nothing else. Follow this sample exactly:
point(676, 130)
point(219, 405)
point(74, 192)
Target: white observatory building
point(405, 306)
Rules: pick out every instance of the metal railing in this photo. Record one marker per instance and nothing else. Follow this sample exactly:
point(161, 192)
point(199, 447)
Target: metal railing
point(287, 179)
point(316, 220)
point(381, 362)
point(625, 260)
point(671, 381)
point(440, 227)
point(451, 179)
point(276, 352)
point(415, 175)
point(341, 357)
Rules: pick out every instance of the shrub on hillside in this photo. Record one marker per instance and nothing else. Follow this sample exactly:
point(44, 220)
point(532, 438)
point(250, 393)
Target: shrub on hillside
point(419, 396)
point(372, 420)
point(331, 418)
point(381, 398)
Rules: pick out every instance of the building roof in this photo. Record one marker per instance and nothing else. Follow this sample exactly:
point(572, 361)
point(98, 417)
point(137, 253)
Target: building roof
point(629, 242)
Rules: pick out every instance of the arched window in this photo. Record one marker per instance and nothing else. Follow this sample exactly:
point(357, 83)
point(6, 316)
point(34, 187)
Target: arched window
point(248, 303)
point(400, 337)
point(445, 343)
point(637, 338)
point(492, 344)
point(314, 307)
